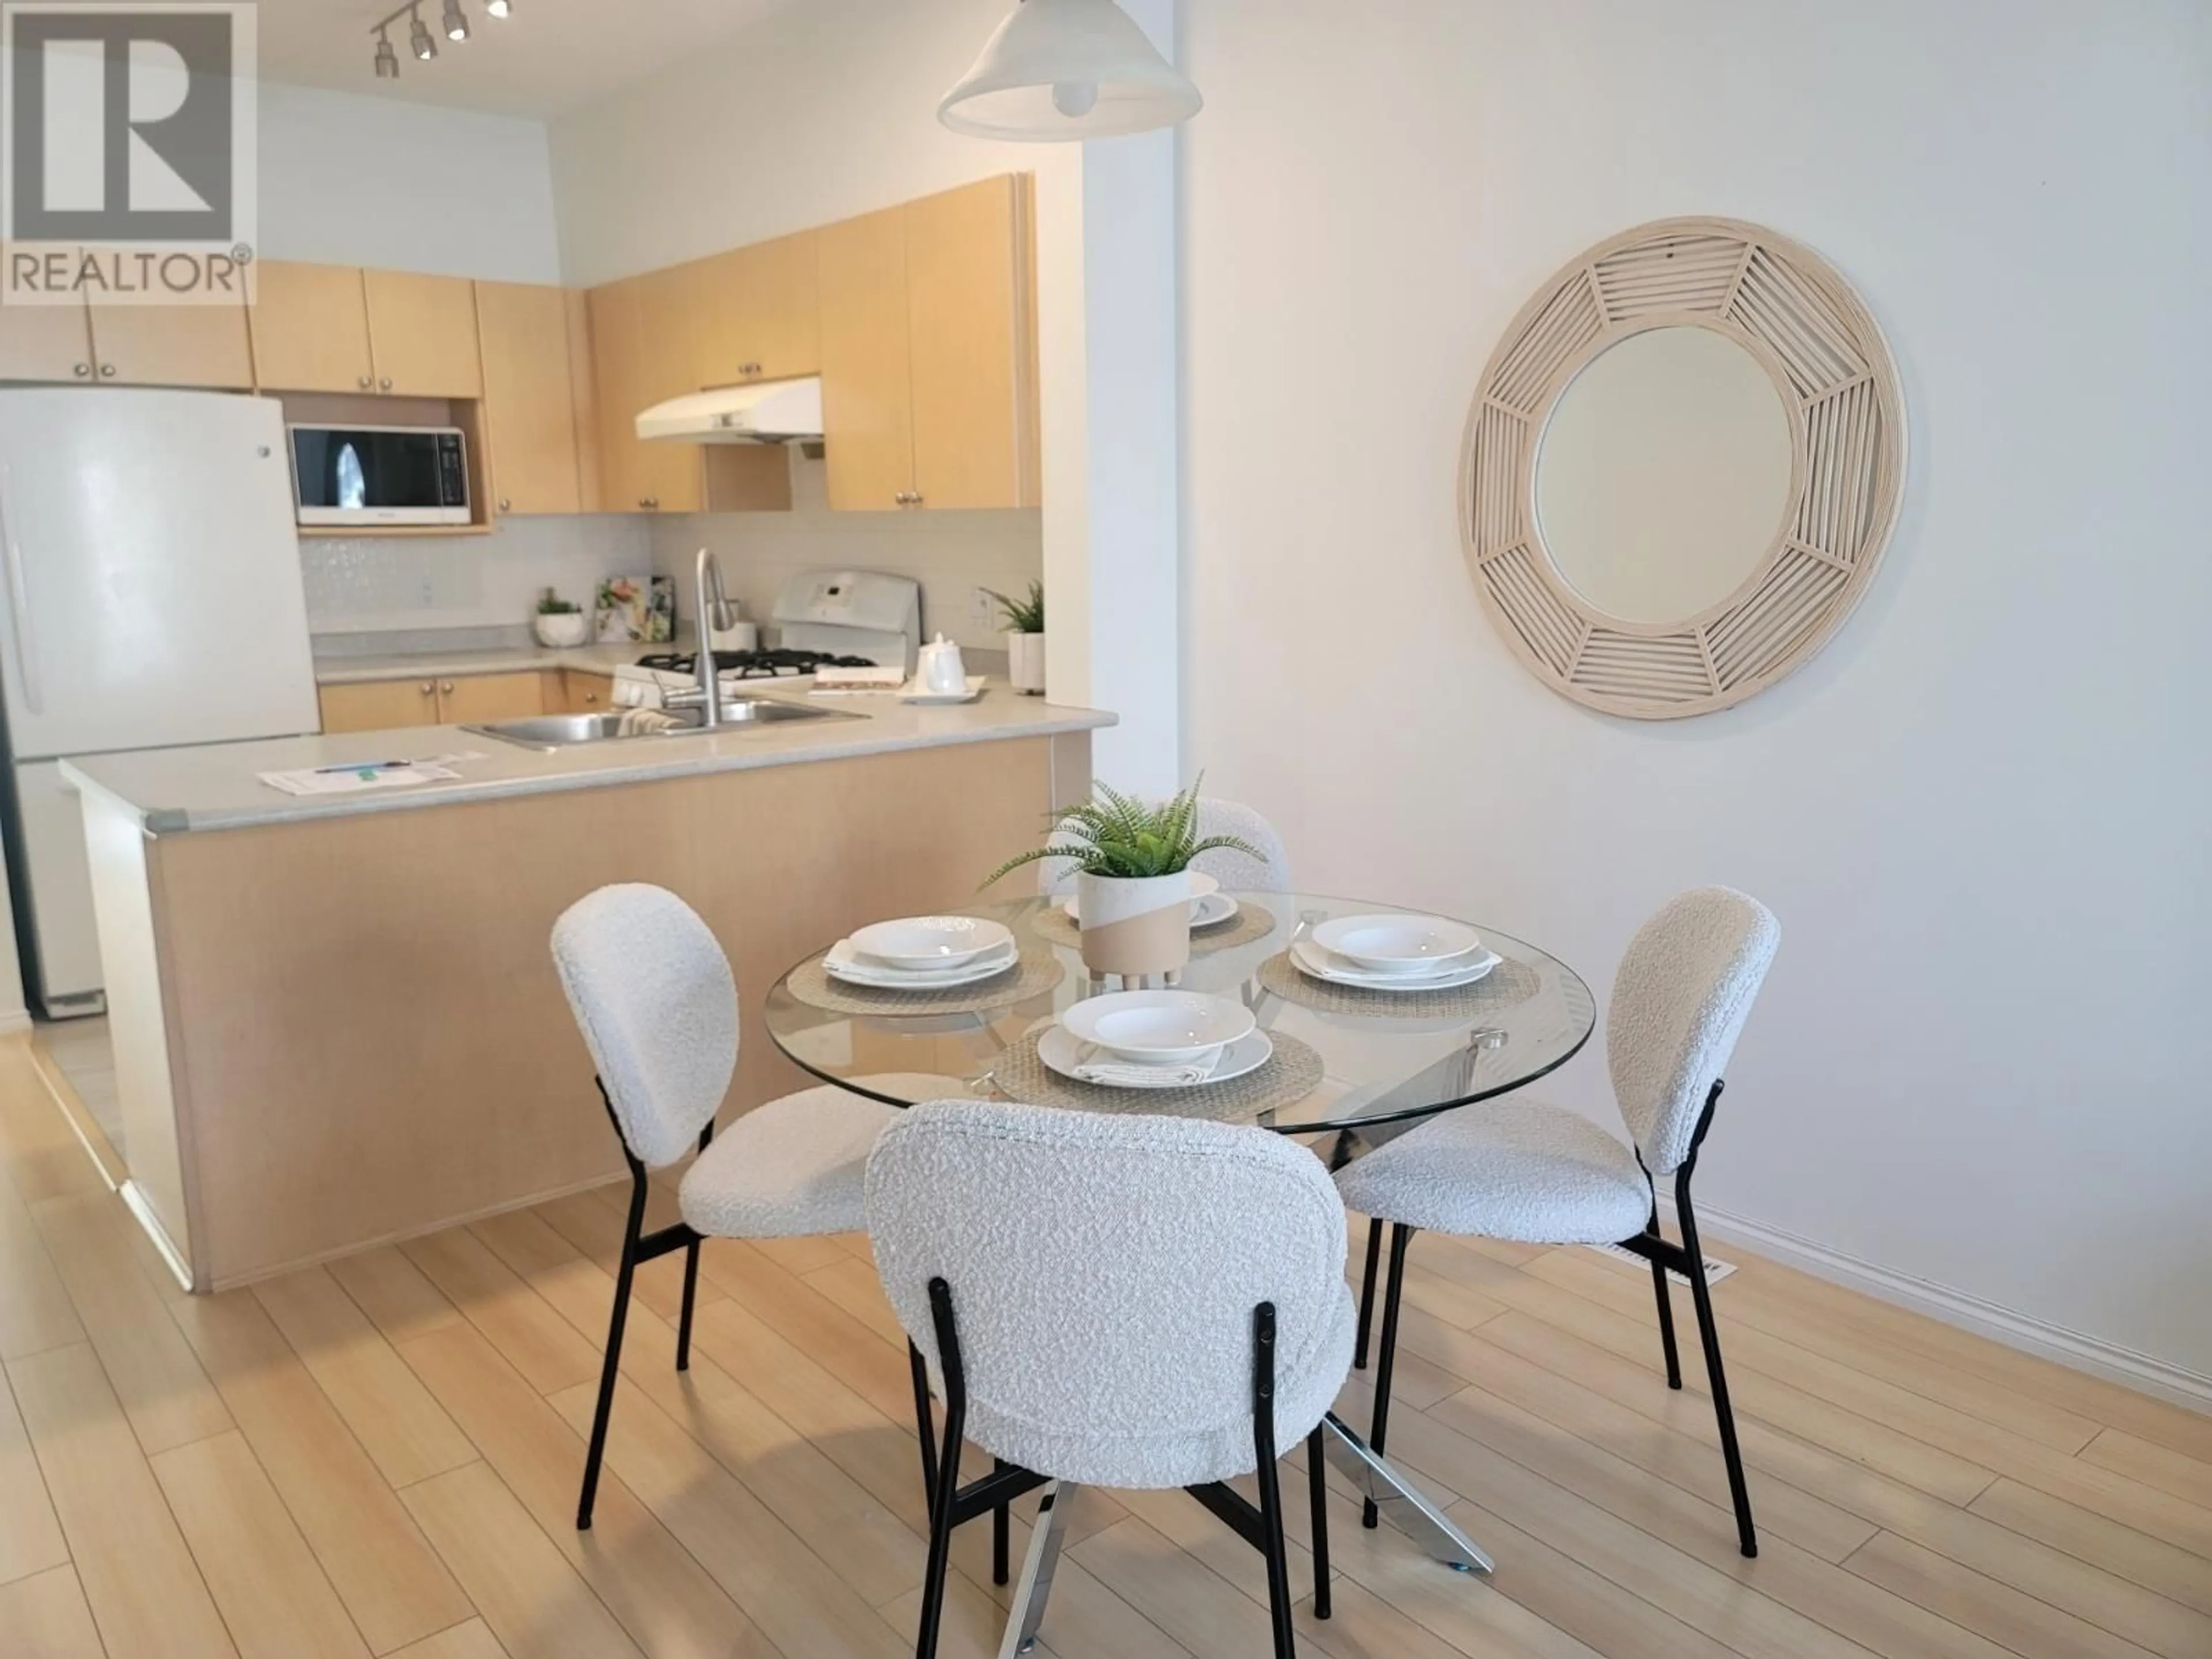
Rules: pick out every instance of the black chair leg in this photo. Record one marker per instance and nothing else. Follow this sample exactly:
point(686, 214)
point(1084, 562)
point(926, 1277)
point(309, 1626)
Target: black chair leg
point(1001, 1532)
point(925, 1423)
point(1666, 1314)
point(1401, 1237)
point(947, 1484)
point(1715, 1380)
point(1367, 1291)
point(690, 1295)
point(1269, 1477)
point(1317, 1494)
point(610, 1366)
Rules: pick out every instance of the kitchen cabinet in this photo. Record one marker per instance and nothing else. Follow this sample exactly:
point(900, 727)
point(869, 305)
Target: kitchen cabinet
point(529, 394)
point(641, 356)
point(583, 692)
point(198, 345)
point(201, 346)
point(755, 313)
point(379, 705)
point(310, 328)
point(338, 328)
point(422, 334)
point(464, 699)
point(929, 352)
point(583, 401)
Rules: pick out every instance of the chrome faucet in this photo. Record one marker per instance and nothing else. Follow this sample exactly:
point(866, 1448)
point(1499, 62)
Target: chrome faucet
point(715, 614)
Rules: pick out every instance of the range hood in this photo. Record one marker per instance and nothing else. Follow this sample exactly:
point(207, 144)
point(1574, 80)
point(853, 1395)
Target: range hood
point(764, 412)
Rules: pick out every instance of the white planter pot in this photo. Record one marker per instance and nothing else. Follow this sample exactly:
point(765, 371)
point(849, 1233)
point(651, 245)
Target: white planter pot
point(1136, 927)
point(1025, 663)
point(558, 629)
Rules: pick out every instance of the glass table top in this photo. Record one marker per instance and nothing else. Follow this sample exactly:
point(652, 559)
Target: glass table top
point(1378, 1067)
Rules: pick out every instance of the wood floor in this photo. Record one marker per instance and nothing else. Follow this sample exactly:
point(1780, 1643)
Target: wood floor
point(381, 1458)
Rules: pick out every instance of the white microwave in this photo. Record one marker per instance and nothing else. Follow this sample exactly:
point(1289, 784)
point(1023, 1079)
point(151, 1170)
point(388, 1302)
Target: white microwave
point(379, 475)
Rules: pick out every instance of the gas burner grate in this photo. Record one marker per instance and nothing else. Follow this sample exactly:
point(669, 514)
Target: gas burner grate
point(753, 665)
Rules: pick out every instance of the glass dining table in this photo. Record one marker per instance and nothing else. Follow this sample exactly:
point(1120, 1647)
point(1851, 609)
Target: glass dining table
point(1370, 1066)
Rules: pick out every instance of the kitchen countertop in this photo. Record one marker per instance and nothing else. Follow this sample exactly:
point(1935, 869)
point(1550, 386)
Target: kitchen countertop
point(512, 659)
point(217, 787)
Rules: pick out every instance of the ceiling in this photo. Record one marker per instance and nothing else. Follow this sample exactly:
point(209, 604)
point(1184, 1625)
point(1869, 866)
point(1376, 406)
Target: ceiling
point(549, 57)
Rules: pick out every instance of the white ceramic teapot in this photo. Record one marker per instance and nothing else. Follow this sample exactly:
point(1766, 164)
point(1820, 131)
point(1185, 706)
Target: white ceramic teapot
point(941, 671)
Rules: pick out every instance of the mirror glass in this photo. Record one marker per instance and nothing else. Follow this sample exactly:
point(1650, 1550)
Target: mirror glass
point(1664, 473)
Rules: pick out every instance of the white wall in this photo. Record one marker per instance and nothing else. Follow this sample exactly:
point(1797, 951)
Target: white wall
point(349, 180)
point(1980, 813)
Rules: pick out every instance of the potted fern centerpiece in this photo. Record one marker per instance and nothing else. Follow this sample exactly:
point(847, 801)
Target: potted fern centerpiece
point(1024, 638)
point(1132, 862)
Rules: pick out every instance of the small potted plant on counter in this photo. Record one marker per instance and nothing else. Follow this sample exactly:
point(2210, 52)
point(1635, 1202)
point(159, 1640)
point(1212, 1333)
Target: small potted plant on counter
point(1025, 639)
point(1132, 875)
point(559, 621)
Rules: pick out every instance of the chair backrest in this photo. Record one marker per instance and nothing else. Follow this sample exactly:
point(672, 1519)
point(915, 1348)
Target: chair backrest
point(1239, 872)
point(1105, 1268)
point(1679, 999)
point(654, 997)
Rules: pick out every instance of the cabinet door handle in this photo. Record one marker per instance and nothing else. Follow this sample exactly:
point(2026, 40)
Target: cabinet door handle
point(504, 504)
point(384, 385)
point(364, 383)
point(591, 696)
point(107, 371)
point(429, 690)
point(446, 689)
point(83, 371)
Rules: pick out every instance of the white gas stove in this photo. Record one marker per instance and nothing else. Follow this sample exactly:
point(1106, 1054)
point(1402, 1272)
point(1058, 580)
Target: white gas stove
point(835, 618)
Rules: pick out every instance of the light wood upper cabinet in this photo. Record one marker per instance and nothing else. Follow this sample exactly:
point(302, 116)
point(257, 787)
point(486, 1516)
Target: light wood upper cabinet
point(929, 354)
point(422, 334)
point(310, 328)
point(172, 345)
point(755, 313)
point(530, 405)
point(583, 401)
point(972, 334)
point(641, 356)
point(868, 385)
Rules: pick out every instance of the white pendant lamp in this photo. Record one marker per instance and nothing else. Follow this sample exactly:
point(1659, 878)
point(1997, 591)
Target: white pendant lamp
point(1068, 68)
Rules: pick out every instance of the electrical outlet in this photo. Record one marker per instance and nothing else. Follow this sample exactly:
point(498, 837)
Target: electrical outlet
point(982, 609)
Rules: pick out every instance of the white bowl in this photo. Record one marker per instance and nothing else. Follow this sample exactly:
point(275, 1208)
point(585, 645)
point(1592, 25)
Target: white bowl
point(929, 941)
point(1160, 1027)
point(1397, 945)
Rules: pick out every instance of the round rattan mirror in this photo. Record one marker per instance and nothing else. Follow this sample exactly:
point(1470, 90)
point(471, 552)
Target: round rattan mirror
point(1682, 466)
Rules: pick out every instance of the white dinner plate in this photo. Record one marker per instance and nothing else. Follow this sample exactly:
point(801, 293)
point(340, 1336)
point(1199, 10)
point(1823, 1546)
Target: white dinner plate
point(1062, 1051)
point(1206, 901)
point(916, 943)
point(1398, 944)
point(842, 962)
point(1157, 1028)
point(1315, 963)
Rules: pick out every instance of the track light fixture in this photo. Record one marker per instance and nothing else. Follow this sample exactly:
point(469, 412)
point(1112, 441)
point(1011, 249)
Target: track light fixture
point(421, 40)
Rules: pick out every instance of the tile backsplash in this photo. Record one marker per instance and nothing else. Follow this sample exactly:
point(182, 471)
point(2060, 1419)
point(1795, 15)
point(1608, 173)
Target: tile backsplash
point(376, 585)
point(951, 553)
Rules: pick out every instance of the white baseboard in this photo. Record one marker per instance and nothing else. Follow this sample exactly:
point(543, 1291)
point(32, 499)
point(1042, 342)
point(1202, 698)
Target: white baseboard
point(2109, 1360)
point(14, 1019)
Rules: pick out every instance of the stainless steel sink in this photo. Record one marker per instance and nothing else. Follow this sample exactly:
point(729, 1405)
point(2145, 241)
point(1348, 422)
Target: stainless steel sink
point(548, 732)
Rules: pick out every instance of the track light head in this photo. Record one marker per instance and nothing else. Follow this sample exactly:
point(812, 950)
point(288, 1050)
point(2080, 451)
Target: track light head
point(499, 7)
point(419, 39)
point(387, 61)
point(456, 21)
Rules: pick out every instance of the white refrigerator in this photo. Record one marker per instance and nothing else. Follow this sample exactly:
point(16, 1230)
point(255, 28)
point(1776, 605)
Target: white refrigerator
point(152, 598)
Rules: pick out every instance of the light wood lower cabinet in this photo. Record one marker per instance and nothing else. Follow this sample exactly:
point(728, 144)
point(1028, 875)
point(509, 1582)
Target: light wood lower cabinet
point(379, 706)
point(462, 699)
point(585, 693)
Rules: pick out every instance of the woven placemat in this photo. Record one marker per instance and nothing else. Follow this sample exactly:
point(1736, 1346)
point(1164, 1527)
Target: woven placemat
point(1252, 922)
point(1292, 1072)
point(1503, 986)
point(1031, 975)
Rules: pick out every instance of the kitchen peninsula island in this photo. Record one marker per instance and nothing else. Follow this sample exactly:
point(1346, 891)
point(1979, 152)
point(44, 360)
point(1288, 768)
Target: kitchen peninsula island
point(335, 1017)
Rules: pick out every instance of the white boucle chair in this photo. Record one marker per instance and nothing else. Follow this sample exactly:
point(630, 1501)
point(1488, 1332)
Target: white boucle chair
point(1135, 1301)
point(658, 1006)
point(1516, 1169)
point(1237, 872)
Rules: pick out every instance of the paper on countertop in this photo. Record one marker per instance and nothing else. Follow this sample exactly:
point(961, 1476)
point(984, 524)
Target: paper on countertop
point(369, 774)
